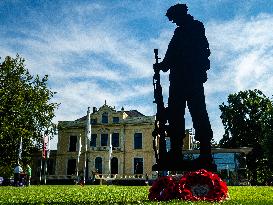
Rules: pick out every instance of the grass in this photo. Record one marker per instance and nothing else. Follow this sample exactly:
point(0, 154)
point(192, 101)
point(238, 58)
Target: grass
point(72, 194)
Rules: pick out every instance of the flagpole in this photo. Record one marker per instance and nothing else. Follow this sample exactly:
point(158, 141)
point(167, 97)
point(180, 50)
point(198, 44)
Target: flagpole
point(84, 177)
point(41, 167)
point(45, 171)
point(20, 150)
point(45, 154)
point(78, 159)
point(48, 148)
point(110, 152)
point(42, 156)
point(88, 136)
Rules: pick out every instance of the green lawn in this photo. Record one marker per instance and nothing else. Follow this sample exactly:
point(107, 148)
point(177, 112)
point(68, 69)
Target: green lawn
point(74, 194)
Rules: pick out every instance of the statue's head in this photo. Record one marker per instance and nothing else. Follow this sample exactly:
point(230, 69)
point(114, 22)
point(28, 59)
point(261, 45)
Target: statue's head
point(177, 13)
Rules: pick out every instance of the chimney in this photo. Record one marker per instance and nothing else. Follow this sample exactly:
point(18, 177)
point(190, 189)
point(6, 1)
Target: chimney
point(94, 109)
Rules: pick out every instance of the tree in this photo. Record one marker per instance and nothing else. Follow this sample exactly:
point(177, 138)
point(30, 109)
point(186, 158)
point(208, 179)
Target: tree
point(25, 111)
point(247, 119)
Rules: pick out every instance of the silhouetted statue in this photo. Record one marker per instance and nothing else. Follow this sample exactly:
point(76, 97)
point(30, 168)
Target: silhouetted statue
point(187, 59)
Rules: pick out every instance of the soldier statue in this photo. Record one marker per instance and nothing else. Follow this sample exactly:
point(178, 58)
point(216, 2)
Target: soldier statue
point(187, 59)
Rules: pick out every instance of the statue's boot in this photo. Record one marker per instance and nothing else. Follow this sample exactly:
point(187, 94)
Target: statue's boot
point(205, 158)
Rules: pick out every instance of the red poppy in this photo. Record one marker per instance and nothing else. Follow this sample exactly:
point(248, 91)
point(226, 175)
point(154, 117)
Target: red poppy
point(193, 186)
point(202, 185)
point(163, 189)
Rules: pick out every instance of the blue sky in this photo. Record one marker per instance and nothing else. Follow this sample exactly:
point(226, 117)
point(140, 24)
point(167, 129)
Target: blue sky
point(103, 50)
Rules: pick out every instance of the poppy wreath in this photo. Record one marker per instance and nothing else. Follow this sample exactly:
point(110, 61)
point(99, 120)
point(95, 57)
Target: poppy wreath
point(193, 186)
point(163, 189)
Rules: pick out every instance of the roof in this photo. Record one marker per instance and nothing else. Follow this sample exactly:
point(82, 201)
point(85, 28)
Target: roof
point(134, 113)
point(82, 118)
point(130, 113)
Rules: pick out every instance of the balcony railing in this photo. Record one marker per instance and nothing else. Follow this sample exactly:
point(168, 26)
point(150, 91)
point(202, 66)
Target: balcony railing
point(106, 148)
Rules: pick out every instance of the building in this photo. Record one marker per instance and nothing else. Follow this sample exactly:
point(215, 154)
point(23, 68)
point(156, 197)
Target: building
point(131, 136)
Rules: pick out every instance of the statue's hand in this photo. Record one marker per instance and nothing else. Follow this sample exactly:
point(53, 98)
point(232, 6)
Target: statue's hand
point(157, 67)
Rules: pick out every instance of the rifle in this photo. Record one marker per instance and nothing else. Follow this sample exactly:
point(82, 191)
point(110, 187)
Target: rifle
point(159, 132)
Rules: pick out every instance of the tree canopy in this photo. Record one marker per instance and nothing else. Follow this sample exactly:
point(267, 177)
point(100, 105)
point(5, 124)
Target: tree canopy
point(26, 110)
point(248, 121)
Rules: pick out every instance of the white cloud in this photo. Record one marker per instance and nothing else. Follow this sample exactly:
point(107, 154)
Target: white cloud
point(77, 96)
point(241, 59)
point(114, 45)
point(242, 49)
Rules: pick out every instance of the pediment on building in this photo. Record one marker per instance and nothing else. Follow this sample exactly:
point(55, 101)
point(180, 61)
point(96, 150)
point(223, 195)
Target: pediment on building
point(131, 116)
point(96, 112)
point(106, 108)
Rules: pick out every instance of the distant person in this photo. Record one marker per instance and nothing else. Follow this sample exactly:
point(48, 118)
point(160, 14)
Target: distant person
point(187, 59)
point(28, 174)
point(17, 171)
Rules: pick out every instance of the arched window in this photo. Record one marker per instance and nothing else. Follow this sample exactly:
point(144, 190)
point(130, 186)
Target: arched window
point(98, 164)
point(114, 165)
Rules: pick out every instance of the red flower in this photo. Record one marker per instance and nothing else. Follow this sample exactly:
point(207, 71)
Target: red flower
point(163, 189)
point(193, 186)
point(202, 185)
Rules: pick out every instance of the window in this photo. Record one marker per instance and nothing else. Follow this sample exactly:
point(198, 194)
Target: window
point(71, 166)
point(114, 165)
point(73, 143)
point(93, 141)
point(104, 118)
point(115, 119)
point(104, 140)
point(138, 165)
point(93, 121)
point(115, 139)
point(138, 141)
point(98, 164)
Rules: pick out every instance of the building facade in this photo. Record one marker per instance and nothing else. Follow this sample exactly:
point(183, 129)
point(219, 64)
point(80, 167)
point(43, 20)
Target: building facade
point(131, 140)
